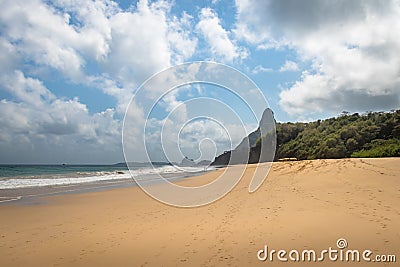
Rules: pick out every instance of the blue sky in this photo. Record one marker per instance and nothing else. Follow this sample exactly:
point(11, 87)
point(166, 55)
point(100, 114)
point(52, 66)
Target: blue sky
point(69, 68)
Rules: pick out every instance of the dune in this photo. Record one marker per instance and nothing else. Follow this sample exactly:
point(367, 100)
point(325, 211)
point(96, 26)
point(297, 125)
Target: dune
point(302, 205)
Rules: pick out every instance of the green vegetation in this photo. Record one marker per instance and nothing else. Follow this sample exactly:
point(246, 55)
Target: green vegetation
point(374, 134)
point(380, 148)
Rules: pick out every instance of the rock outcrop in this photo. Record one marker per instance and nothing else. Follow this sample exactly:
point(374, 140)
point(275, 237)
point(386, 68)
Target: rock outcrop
point(258, 146)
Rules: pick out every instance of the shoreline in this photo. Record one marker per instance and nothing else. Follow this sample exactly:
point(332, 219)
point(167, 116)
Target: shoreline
point(29, 195)
point(301, 205)
point(32, 195)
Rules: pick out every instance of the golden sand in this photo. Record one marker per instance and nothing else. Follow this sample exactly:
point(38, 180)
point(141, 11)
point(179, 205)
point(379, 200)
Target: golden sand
point(302, 205)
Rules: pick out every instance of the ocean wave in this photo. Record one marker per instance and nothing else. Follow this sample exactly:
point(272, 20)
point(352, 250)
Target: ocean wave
point(87, 177)
point(39, 182)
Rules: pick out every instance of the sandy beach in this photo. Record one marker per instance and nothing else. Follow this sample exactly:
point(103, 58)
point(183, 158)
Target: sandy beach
point(301, 205)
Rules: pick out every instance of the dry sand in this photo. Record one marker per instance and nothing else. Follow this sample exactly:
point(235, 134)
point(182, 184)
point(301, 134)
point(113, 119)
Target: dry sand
point(301, 205)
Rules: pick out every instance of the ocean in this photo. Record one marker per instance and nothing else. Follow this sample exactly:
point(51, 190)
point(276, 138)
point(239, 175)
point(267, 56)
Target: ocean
point(28, 176)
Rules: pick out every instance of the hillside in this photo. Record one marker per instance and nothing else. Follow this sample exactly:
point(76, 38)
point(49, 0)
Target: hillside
point(373, 134)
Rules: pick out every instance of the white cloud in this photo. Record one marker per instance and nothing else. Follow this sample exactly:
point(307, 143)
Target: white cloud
point(147, 41)
point(180, 38)
point(27, 90)
point(136, 51)
point(46, 34)
point(244, 31)
point(90, 43)
point(218, 38)
point(259, 69)
point(128, 46)
point(41, 36)
point(39, 122)
point(289, 66)
point(180, 139)
point(352, 46)
point(93, 24)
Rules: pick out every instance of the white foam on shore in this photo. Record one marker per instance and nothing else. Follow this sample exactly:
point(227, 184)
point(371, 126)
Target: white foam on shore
point(23, 182)
point(39, 182)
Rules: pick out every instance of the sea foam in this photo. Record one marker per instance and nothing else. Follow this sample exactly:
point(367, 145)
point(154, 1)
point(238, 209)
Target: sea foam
point(87, 177)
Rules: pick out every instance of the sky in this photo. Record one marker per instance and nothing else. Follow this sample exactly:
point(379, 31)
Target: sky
point(68, 69)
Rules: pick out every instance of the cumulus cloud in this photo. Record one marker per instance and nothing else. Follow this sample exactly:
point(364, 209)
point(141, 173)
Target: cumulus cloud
point(180, 37)
point(217, 37)
point(289, 66)
point(38, 121)
point(351, 46)
point(67, 35)
point(317, 93)
point(63, 35)
point(90, 43)
point(133, 55)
